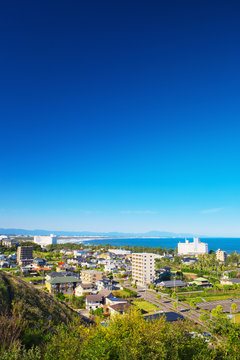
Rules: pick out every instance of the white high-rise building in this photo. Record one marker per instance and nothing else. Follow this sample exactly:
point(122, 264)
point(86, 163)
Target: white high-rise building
point(192, 248)
point(143, 268)
point(45, 240)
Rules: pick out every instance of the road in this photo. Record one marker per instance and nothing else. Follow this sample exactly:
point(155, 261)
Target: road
point(166, 304)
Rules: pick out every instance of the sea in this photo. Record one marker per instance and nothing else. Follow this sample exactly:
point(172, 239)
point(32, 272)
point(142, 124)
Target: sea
point(227, 244)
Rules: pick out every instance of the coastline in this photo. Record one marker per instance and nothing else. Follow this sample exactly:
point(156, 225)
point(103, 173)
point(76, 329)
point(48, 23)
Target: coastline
point(227, 244)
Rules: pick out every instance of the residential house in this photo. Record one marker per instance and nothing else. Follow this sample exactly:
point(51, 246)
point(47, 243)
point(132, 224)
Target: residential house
point(4, 264)
point(39, 261)
point(105, 256)
point(64, 284)
point(93, 302)
point(201, 282)
point(120, 308)
point(84, 289)
point(55, 274)
point(189, 260)
point(104, 284)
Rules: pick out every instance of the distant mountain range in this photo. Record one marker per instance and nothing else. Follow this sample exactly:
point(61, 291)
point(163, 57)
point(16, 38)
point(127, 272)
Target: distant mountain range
point(88, 233)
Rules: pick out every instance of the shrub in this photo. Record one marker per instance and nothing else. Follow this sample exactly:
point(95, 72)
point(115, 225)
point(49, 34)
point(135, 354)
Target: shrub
point(60, 296)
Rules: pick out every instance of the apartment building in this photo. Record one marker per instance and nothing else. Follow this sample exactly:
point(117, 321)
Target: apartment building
point(24, 255)
point(143, 268)
point(221, 255)
point(92, 276)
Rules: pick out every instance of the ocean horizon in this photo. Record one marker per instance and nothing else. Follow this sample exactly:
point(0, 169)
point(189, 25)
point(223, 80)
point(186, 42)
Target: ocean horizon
point(227, 244)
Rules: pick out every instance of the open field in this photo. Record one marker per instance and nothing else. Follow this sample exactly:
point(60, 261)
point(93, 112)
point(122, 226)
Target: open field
point(145, 305)
point(209, 296)
point(221, 297)
point(121, 294)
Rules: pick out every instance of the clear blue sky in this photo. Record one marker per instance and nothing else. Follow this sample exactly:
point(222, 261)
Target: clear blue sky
point(120, 115)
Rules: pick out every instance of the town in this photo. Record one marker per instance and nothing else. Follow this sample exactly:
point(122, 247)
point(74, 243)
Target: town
point(99, 282)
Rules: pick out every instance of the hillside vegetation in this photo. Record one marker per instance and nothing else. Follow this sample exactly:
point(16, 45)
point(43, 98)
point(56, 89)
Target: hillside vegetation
point(32, 304)
point(27, 333)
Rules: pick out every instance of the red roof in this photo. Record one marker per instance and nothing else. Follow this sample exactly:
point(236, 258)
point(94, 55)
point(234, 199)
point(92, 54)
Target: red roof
point(39, 268)
point(61, 263)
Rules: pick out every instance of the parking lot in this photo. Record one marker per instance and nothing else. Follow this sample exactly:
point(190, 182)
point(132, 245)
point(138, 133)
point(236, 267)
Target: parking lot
point(226, 304)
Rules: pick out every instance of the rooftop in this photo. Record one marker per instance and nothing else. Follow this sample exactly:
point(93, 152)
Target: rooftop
point(172, 283)
point(170, 316)
point(63, 280)
point(121, 306)
point(92, 271)
point(94, 298)
point(104, 293)
point(86, 286)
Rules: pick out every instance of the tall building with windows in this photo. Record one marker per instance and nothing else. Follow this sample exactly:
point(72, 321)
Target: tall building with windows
point(143, 268)
point(192, 248)
point(221, 255)
point(24, 255)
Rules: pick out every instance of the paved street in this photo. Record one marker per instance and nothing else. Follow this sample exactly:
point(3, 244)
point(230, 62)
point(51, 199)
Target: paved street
point(166, 304)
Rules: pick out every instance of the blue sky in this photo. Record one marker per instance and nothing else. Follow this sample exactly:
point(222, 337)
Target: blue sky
point(120, 116)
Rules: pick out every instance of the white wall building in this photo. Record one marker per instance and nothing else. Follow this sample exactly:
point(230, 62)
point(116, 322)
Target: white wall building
point(143, 268)
point(45, 240)
point(221, 255)
point(119, 252)
point(192, 248)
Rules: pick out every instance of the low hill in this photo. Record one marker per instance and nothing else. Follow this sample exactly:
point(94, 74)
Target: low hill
point(33, 304)
point(156, 233)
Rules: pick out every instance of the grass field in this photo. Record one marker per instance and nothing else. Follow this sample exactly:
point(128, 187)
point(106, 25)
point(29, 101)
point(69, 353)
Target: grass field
point(198, 298)
point(121, 294)
point(145, 305)
point(33, 279)
point(195, 300)
point(219, 297)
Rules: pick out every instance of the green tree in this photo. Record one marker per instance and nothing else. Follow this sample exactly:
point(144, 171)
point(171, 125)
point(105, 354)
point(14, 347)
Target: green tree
point(214, 312)
point(175, 305)
point(60, 296)
point(219, 309)
point(203, 317)
point(98, 312)
point(192, 303)
point(234, 307)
